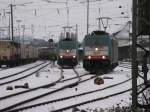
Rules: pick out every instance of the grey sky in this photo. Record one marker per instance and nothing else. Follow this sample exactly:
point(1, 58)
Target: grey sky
point(47, 19)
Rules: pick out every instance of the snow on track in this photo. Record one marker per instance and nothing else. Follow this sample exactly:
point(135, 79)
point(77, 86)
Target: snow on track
point(118, 76)
point(7, 72)
point(33, 94)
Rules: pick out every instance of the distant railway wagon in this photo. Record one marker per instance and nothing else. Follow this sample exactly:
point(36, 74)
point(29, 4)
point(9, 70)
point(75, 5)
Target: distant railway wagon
point(28, 53)
point(67, 52)
point(47, 53)
point(8, 52)
point(13, 53)
point(100, 52)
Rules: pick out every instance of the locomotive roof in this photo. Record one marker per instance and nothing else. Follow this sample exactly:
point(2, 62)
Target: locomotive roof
point(99, 33)
point(67, 39)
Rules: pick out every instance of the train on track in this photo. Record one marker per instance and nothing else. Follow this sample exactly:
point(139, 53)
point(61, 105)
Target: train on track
point(13, 53)
point(67, 50)
point(100, 52)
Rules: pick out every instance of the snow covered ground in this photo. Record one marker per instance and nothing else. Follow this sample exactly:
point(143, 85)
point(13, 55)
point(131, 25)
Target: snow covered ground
point(118, 76)
point(14, 70)
point(51, 74)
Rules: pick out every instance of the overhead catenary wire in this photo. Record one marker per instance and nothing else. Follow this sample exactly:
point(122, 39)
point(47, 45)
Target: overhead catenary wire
point(38, 16)
point(52, 11)
point(48, 12)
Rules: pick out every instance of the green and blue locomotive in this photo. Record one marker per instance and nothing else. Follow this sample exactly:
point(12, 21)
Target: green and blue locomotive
point(67, 51)
point(100, 52)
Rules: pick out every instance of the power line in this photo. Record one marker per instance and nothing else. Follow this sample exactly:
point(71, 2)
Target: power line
point(38, 16)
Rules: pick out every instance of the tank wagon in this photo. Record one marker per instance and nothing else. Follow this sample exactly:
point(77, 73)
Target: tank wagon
point(100, 52)
point(67, 49)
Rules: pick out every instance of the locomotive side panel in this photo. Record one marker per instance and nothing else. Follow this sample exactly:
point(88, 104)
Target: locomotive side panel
point(115, 51)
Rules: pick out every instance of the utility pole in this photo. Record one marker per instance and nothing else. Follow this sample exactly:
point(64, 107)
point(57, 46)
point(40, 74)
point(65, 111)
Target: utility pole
point(9, 25)
point(129, 23)
point(140, 26)
point(76, 32)
point(19, 40)
point(22, 44)
point(12, 22)
point(32, 30)
point(66, 29)
point(87, 17)
point(99, 20)
point(12, 30)
point(99, 24)
point(67, 12)
point(18, 21)
point(149, 49)
point(23, 27)
point(134, 57)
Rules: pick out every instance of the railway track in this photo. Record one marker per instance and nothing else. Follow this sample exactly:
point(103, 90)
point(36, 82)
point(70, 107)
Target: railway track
point(8, 76)
point(43, 86)
point(42, 95)
point(20, 75)
point(6, 68)
point(73, 97)
point(89, 101)
point(129, 66)
point(1, 69)
point(31, 90)
point(125, 65)
point(18, 107)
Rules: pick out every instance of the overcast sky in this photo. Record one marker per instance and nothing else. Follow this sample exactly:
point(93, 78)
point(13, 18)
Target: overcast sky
point(45, 19)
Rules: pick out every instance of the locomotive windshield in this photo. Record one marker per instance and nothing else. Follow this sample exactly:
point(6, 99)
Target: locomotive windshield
point(99, 33)
point(67, 45)
point(96, 41)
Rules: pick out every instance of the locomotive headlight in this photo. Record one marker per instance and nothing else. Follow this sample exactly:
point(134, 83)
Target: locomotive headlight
point(96, 49)
point(103, 57)
point(89, 57)
point(61, 56)
point(74, 56)
point(67, 51)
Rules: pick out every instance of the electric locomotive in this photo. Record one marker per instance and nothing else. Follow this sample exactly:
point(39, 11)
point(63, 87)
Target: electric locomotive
point(67, 51)
point(100, 52)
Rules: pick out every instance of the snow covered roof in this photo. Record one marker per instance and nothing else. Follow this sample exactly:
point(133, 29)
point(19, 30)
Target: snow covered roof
point(124, 31)
point(126, 44)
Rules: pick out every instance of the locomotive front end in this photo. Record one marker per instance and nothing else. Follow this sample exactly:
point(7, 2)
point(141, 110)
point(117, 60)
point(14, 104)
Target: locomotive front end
point(67, 53)
point(97, 52)
point(67, 57)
